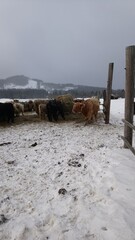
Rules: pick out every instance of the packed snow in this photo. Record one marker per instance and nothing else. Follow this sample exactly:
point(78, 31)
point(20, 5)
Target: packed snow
point(67, 180)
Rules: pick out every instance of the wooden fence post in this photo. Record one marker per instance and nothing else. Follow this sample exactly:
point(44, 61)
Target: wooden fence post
point(108, 93)
point(129, 93)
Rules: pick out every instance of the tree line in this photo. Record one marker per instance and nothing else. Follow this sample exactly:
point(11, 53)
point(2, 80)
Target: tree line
point(42, 93)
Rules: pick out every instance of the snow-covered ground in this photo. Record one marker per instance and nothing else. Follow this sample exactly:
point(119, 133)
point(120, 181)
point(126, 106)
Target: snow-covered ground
point(67, 181)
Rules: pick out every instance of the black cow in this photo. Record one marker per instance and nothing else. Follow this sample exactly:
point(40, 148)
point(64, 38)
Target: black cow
point(7, 112)
point(54, 108)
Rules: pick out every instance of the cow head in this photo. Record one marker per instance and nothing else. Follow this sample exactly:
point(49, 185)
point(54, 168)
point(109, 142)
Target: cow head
point(77, 107)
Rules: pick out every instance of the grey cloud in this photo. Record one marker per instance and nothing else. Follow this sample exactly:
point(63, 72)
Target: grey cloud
point(66, 41)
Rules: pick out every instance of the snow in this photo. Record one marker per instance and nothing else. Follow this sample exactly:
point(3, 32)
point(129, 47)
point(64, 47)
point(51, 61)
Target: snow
point(88, 162)
point(31, 84)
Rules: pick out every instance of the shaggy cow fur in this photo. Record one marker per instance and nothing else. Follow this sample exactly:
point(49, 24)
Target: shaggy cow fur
point(88, 108)
point(54, 108)
point(19, 108)
point(7, 112)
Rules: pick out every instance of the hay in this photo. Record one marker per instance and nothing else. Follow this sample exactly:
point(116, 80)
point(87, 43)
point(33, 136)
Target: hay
point(67, 101)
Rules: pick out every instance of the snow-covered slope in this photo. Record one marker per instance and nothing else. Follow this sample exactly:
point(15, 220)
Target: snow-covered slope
point(31, 84)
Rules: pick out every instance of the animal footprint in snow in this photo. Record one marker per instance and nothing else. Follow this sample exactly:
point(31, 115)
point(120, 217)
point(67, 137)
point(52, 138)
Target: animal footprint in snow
point(3, 219)
point(110, 190)
point(62, 191)
point(74, 163)
point(34, 144)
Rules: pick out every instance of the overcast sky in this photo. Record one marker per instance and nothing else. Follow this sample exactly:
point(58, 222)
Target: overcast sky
point(66, 41)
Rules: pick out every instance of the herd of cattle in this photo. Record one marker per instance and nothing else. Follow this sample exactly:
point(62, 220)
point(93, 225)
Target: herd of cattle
point(51, 109)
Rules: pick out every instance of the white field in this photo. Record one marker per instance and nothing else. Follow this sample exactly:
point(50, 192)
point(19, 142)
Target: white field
point(89, 162)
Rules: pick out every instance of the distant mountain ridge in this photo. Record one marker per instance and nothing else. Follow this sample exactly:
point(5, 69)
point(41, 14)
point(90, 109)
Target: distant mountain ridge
point(23, 82)
point(19, 82)
point(20, 86)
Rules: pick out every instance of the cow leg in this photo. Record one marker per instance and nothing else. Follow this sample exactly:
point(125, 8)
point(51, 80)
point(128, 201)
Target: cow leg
point(8, 119)
point(62, 115)
point(96, 115)
point(89, 118)
point(55, 116)
point(49, 115)
point(49, 111)
point(61, 110)
point(93, 118)
point(12, 118)
point(54, 111)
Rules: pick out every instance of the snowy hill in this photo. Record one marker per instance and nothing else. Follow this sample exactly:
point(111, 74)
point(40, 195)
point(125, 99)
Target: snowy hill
point(19, 82)
point(23, 82)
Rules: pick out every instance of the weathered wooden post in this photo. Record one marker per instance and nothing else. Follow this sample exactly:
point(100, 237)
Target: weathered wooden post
point(108, 93)
point(129, 93)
